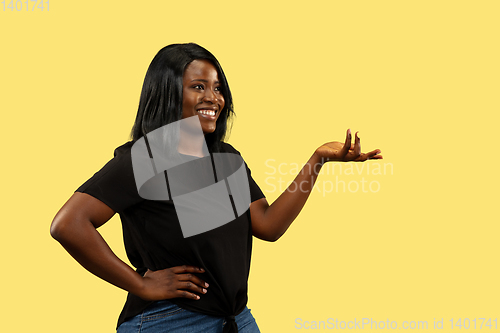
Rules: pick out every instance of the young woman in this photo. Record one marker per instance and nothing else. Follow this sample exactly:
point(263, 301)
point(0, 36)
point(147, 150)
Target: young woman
point(182, 284)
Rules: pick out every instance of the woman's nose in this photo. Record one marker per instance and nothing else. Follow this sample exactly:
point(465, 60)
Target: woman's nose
point(209, 96)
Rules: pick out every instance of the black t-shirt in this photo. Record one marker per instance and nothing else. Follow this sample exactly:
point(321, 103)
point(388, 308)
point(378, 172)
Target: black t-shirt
point(153, 239)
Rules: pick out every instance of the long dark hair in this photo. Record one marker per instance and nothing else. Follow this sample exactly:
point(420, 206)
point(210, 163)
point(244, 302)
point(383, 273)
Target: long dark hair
point(161, 96)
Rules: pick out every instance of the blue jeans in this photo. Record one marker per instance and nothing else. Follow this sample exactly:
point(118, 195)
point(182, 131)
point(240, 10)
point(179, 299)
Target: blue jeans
point(165, 316)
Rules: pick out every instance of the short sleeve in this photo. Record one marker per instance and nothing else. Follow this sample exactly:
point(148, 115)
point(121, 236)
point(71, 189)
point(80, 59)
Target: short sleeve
point(114, 184)
point(255, 191)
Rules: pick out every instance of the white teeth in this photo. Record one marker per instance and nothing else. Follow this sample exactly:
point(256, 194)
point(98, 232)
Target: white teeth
point(207, 112)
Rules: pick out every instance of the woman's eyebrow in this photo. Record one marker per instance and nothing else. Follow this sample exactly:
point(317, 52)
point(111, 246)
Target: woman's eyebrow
point(203, 80)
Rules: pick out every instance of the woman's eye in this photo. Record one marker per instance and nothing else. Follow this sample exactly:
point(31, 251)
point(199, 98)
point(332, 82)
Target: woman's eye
point(198, 86)
point(218, 89)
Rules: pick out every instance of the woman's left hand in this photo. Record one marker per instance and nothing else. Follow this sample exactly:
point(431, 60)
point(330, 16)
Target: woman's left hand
point(336, 151)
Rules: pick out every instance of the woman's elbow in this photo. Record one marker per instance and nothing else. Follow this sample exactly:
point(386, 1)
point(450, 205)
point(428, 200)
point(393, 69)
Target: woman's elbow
point(267, 236)
point(274, 237)
point(63, 226)
point(58, 228)
point(271, 239)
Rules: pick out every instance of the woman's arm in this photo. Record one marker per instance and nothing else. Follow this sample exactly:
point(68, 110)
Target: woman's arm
point(74, 226)
point(269, 222)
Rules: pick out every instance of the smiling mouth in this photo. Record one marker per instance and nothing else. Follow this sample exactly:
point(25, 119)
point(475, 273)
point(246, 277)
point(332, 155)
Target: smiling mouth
point(206, 113)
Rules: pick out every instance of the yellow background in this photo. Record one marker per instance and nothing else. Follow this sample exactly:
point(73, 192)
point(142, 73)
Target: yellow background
point(418, 79)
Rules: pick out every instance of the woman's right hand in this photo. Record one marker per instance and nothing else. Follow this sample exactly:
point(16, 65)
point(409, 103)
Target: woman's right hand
point(173, 282)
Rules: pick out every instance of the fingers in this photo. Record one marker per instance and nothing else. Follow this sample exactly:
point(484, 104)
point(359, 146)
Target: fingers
point(357, 146)
point(376, 157)
point(354, 152)
point(187, 269)
point(373, 155)
point(189, 282)
point(186, 294)
point(349, 151)
point(192, 278)
point(345, 149)
point(179, 281)
point(190, 286)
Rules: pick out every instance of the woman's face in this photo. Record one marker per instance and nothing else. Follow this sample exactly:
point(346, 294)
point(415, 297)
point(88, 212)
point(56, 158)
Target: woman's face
point(201, 94)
